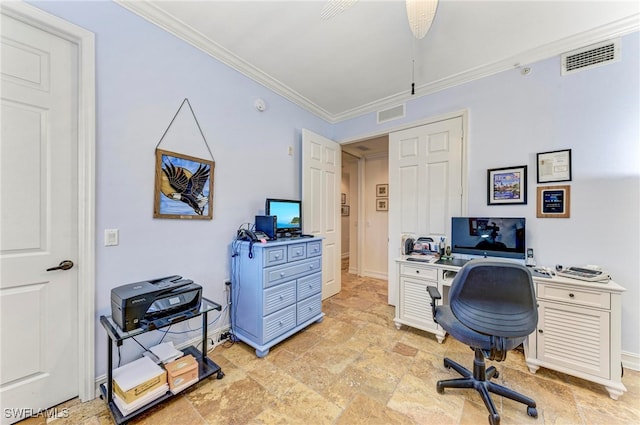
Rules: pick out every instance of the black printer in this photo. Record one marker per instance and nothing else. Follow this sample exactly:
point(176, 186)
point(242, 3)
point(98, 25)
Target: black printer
point(139, 303)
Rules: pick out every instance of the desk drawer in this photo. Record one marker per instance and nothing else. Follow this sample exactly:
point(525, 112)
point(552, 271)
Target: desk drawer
point(314, 248)
point(277, 297)
point(274, 256)
point(309, 308)
point(280, 274)
point(297, 252)
point(309, 285)
point(278, 323)
point(574, 296)
point(419, 271)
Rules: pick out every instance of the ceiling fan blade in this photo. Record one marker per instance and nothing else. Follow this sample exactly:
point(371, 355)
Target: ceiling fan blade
point(335, 7)
point(421, 14)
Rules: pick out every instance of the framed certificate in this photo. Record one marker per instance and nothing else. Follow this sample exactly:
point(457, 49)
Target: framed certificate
point(554, 166)
point(554, 202)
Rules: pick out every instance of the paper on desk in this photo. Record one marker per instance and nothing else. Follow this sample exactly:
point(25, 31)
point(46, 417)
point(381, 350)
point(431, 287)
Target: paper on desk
point(135, 373)
point(166, 352)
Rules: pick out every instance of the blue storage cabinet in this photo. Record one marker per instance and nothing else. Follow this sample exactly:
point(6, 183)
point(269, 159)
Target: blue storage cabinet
point(277, 292)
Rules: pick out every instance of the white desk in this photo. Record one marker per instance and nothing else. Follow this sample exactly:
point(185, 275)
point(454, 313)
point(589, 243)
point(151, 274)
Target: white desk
point(579, 323)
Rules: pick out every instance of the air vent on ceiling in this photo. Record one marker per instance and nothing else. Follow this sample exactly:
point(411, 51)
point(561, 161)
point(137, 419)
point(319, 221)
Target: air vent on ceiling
point(391, 114)
point(591, 56)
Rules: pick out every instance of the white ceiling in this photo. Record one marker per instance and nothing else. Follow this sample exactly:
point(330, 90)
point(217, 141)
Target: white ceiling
point(363, 59)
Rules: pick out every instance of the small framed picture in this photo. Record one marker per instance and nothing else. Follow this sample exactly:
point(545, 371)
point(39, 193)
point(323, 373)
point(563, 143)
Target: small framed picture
point(382, 204)
point(382, 190)
point(183, 186)
point(344, 210)
point(554, 166)
point(507, 186)
point(343, 198)
point(554, 202)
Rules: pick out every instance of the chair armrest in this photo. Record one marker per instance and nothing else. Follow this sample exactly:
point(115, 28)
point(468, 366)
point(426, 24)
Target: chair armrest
point(435, 295)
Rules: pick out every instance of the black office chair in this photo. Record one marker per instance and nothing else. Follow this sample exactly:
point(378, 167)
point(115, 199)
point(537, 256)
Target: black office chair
point(492, 308)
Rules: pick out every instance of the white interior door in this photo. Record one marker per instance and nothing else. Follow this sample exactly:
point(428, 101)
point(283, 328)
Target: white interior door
point(425, 185)
point(39, 361)
point(321, 179)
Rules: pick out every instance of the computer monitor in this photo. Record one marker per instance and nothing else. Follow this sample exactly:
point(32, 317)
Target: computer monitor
point(489, 236)
point(289, 216)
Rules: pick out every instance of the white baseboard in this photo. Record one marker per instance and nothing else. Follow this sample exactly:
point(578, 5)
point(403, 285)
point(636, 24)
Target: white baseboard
point(631, 360)
point(213, 335)
point(375, 275)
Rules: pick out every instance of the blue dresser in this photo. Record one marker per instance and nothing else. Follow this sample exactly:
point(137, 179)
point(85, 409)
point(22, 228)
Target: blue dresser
point(277, 291)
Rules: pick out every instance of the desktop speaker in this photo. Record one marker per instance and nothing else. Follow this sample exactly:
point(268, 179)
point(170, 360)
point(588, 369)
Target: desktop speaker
point(267, 224)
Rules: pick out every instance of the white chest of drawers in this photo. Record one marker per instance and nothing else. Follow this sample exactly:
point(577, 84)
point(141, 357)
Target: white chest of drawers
point(276, 292)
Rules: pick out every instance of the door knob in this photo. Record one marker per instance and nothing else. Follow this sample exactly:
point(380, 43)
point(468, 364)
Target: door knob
point(64, 265)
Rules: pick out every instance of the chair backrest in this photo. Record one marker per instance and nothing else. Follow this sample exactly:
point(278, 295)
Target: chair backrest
point(495, 298)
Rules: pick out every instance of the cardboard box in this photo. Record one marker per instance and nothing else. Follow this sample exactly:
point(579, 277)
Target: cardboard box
point(182, 372)
point(135, 379)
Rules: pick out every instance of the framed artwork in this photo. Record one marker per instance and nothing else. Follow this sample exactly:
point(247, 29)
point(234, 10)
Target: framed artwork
point(183, 186)
point(343, 198)
point(382, 190)
point(554, 166)
point(507, 186)
point(554, 202)
point(382, 204)
point(345, 210)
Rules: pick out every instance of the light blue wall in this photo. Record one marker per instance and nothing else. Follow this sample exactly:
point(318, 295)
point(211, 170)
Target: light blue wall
point(596, 114)
point(144, 73)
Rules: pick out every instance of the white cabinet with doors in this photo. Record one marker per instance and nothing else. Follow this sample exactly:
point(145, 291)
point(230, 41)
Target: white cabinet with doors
point(579, 331)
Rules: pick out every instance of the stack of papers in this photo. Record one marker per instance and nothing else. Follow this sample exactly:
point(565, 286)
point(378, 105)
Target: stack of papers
point(128, 408)
point(166, 352)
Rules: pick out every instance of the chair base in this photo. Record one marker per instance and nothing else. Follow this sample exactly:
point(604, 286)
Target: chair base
point(480, 381)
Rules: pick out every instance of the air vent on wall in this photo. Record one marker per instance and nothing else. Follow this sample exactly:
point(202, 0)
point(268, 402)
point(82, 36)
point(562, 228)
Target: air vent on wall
point(591, 56)
point(391, 114)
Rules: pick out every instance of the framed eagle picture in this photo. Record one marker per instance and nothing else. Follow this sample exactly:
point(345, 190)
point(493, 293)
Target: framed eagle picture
point(184, 186)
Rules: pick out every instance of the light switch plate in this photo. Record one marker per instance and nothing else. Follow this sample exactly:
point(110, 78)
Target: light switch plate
point(111, 237)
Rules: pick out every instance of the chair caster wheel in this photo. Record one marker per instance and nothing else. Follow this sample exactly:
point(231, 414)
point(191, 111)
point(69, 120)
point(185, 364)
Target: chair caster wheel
point(494, 419)
point(532, 411)
point(220, 375)
point(439, 388)
point(496, 375)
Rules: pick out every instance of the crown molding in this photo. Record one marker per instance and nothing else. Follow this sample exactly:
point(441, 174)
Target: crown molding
point(188, 34)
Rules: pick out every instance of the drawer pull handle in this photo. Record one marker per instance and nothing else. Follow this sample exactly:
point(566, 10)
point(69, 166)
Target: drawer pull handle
point(540, 331)
point(280, 323)
point(418, 271)
point(310, 266)
point(282, 274)
point(571, 295)
point(281, 298)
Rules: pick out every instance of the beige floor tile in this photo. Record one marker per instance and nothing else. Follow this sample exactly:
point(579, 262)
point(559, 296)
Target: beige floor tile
point(355, 367)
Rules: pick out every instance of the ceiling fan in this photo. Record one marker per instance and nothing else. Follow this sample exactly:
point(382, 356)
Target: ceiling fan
point(420, 13)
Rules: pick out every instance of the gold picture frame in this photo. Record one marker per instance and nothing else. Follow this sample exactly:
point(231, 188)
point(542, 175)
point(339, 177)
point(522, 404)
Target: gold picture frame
point(183, 186)
point(554, 202)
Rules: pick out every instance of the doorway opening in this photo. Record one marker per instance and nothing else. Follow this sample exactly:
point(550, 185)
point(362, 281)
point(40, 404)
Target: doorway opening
point(365, 173)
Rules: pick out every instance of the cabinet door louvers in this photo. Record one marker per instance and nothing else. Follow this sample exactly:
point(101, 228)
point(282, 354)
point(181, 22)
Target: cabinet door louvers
point(572, 337)
point(416, 304)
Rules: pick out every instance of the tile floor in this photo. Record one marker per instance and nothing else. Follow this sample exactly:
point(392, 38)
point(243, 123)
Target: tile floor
point(355, 367)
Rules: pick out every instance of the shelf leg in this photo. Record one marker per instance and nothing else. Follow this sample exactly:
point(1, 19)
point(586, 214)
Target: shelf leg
point(204, 336)
point(109, 371)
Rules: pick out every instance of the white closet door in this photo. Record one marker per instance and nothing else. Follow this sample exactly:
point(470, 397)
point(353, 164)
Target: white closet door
point(425, 185)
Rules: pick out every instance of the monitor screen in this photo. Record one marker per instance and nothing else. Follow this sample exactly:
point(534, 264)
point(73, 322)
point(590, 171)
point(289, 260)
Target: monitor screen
point(489, 236)
point(288, 214)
